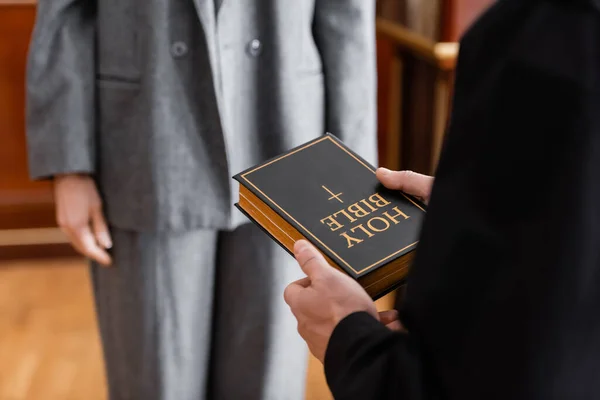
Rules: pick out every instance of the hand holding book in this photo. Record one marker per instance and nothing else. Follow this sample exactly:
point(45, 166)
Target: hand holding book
point(410, 182)
point(324, 192)
point(327, 296)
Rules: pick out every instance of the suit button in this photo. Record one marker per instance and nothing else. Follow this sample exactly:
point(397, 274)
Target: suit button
point(254, 47)
point(179, 49)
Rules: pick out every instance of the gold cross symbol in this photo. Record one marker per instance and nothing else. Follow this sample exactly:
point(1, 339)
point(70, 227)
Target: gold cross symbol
point(333, 196)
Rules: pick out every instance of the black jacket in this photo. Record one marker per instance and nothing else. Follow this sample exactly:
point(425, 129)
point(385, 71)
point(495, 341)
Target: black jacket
point(503, 301)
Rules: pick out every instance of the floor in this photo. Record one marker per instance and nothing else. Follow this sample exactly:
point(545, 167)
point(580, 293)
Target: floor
point(48, 342)
point(49, 346)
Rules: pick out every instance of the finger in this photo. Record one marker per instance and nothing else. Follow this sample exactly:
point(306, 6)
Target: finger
point(291, 295)
point(89, 247)
point(395, 326)
point(74, 241)
point(71, 232)
point(100, 228)
point(407, 181)
point(304, 282)
point(388, 316)
point(310, 259)
point(316, 354)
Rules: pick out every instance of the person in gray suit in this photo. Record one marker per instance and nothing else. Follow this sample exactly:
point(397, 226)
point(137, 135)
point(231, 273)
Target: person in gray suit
point(141, 112)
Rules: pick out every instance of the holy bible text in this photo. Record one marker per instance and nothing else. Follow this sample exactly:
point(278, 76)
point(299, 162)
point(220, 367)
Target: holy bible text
point(327, 194)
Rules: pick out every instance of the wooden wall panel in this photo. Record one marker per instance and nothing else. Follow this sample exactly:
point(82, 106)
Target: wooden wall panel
point(438, 20)
point(385, 51)
point(458, 15)
point(421, 16)
point(23, 204)
point(416, 130)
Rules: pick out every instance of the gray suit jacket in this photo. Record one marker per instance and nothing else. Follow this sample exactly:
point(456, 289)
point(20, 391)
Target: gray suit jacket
point(163, 101)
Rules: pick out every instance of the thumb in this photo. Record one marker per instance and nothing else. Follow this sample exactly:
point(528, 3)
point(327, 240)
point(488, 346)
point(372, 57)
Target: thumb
point(409, 182)
point(310, 259)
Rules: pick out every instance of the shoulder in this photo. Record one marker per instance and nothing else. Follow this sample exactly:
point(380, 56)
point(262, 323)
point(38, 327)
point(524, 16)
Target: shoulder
point(557, 38)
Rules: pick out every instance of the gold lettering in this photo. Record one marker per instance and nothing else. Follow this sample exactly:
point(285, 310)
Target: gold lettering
point(350, 217)
point(357, 210)
point(332, 223)
point(351, 240)
point(366, 203)
point(378, 200)
point(362, 228)
point(398, 214)
point(385, 221)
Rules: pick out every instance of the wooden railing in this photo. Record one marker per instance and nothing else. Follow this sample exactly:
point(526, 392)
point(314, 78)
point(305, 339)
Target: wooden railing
point(417, 105)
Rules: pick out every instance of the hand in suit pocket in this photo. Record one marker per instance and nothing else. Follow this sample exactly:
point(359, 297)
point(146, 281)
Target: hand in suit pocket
point(79, 214)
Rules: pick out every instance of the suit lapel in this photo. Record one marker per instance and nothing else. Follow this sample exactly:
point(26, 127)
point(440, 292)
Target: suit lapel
point(208, 21)
point(218, 4)
point(207, 17)
point(208, 10)
point(206, 14)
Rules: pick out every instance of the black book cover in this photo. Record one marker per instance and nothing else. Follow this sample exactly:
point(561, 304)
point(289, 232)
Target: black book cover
point(332, 196)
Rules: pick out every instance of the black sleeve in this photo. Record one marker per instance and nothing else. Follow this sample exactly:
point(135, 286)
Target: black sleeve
point(365, 360)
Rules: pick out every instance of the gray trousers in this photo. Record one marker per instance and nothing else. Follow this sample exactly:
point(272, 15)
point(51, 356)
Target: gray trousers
point(199, 315)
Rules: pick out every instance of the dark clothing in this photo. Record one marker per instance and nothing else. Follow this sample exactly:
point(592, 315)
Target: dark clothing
point(503, 301)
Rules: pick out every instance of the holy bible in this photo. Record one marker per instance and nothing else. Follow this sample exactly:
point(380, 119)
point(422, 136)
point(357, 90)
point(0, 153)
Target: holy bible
point(327, 194)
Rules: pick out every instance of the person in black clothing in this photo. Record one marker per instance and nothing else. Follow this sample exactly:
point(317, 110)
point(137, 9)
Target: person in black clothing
point(503, 299)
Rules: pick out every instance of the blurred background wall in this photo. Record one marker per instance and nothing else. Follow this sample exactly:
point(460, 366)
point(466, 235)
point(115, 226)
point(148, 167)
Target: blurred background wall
point(417, 49)
point(23, 204)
